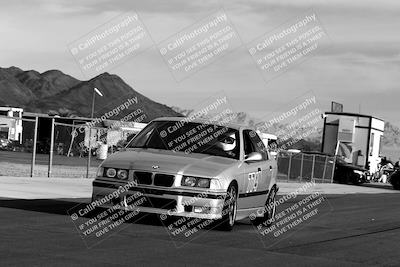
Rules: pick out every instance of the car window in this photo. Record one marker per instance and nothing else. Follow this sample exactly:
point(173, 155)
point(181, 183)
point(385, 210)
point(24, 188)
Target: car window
point(248, 144)
point(189, 137)
point(254, 143)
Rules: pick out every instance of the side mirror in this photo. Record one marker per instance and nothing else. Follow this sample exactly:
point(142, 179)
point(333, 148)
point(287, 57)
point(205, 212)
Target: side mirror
point(252, 157)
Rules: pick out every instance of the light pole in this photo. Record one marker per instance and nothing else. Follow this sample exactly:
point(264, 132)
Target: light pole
point(95, 91)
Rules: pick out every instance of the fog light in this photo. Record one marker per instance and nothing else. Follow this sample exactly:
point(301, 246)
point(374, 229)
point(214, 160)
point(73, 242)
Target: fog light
point(201, 209)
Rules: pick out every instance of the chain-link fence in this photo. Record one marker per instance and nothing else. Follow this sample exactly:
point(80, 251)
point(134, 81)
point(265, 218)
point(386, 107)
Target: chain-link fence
point(79, 149)
point(68, 153)
point(56, 147)
point(19, 153)
point(299, 167)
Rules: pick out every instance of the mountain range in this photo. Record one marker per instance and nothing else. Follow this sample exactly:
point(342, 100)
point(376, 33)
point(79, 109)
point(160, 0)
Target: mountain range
point(54, 92)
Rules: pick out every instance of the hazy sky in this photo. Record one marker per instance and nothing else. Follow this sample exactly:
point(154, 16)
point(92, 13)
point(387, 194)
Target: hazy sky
point(360, 69)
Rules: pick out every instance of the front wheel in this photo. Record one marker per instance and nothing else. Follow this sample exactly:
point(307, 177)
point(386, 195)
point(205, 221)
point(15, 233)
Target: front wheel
point(269, 209)
point(229, 210)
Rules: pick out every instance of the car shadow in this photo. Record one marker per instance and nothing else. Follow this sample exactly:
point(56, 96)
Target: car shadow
point(68, 206)
point(64, 206)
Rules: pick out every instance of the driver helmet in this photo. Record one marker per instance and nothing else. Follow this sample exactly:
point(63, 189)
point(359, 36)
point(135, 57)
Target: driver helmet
point(227, 142)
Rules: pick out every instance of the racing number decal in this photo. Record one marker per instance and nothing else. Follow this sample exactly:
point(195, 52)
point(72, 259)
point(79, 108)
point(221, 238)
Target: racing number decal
point(253, 181)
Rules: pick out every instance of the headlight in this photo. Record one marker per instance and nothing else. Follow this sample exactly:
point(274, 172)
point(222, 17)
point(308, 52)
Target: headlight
point(195, 182)
point(188, 181)
point(110, 173)
point(361, 173)
point(122, 174)
point(203, 182)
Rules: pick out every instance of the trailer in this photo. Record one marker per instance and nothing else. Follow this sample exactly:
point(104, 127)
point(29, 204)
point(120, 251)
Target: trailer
point(354, 137)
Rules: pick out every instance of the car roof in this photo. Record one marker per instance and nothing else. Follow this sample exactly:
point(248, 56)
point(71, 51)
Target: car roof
point(236, 126)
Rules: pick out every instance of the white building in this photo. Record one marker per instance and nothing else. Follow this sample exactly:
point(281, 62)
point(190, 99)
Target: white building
point(356, 137)
point(11, 127)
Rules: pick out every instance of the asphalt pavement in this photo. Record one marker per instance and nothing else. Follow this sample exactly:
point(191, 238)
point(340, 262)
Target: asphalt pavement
point(350, 230)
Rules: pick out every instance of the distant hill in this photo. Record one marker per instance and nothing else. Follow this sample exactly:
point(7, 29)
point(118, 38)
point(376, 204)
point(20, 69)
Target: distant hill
point(391, 142)
point(391, 137)
point(12, 91)
point(58, 93)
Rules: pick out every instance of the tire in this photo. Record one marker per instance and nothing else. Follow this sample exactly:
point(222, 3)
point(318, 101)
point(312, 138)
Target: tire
point(395, 181)
point(230, 209)
point(396, 186)
point(269, 209)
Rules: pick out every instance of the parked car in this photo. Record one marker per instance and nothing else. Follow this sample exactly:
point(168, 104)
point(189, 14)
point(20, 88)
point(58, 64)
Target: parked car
point(347, 173)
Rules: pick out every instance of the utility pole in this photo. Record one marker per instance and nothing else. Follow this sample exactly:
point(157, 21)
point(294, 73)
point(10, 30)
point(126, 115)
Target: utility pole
point(95, 91)
point(34, 146)
point(51, 148)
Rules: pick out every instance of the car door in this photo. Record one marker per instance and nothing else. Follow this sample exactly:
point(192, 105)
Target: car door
point(268, 161)
point(257, 173)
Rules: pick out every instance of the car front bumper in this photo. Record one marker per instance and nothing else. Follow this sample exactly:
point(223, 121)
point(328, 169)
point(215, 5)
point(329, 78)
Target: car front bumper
point(160, 200)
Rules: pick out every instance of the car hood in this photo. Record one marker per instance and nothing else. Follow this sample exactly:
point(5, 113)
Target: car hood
point(170, 162)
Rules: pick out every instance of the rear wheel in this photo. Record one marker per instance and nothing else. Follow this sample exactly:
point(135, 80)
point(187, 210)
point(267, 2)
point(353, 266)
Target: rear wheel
point(229, 210)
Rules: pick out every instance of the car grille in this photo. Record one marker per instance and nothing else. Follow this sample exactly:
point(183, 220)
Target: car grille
point(159, 179)
point(143, 177)
point(164, 179)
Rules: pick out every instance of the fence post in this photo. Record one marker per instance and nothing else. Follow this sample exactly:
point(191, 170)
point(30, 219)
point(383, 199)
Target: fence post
point(289, 167)
point(333, 168)
point(326, 163)
point(34, 146)
point(301, 166)
point(312, 167)
point(51, 148)
point(89, 152)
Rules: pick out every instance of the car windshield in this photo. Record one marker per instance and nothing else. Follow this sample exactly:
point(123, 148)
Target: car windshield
point(189, 137)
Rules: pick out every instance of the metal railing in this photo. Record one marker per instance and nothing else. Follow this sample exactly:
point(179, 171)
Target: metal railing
point(299, 167)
